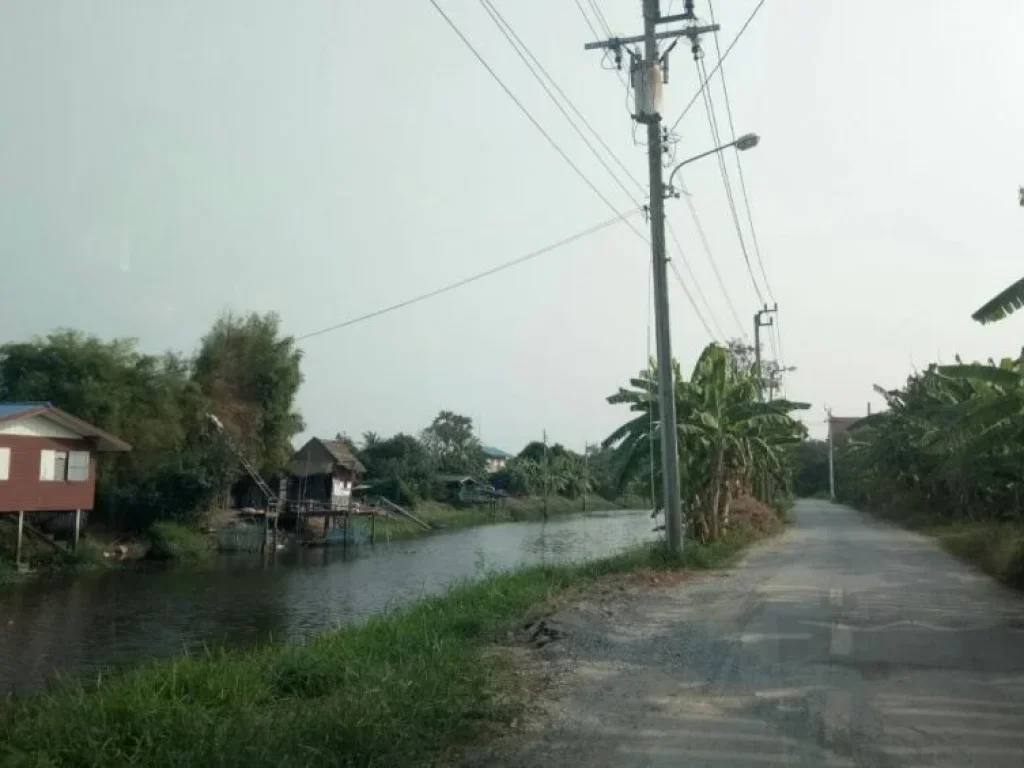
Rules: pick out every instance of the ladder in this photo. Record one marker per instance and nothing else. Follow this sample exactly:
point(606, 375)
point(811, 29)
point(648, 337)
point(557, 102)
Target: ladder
point(247, 465)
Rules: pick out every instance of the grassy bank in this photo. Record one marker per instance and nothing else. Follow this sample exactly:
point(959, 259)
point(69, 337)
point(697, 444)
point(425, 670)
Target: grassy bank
point(176, 541)
point(445, 516)
point(997, 548)
point(397, 690)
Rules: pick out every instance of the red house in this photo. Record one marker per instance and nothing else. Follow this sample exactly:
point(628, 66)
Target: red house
point(48, 461)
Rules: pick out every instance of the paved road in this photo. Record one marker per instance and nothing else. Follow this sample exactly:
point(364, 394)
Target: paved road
point(845, 642)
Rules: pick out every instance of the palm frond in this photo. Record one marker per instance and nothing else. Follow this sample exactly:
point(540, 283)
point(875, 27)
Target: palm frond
point(988, 374)
point(1003, 304)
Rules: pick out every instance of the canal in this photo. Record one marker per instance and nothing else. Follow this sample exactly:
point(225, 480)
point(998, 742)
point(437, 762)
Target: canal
point(95, 622)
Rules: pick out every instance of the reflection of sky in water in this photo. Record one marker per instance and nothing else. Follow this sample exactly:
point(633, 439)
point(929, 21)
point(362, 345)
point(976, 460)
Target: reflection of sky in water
point(114, 618)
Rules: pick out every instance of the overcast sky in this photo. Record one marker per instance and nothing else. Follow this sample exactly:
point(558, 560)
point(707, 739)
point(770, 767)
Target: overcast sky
point(161, 163)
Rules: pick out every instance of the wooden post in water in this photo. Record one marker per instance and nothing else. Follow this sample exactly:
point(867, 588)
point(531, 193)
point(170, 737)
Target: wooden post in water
point(21, 530)
point(78, 527)
point(282, 497)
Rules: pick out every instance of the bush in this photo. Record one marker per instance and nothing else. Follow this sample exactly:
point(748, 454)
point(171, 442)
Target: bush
point(174, 541)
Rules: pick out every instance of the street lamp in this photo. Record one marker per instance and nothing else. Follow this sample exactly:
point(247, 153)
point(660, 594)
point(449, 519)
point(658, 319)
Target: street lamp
point(743, 143)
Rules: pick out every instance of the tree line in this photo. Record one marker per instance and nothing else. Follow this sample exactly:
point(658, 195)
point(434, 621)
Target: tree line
point(245, 371)
point(949, 446)
point(409, 469)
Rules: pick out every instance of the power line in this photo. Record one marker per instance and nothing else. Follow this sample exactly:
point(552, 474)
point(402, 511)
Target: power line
point(693, 278)
point(723, 169)
point(524, 110)
point(523, 51)
point(689, 296)
point(586, 18)
point(621, 217)
point(739, 161)
point(596, 8)
point(714, 266)
point(506, 28)
point(718, 66)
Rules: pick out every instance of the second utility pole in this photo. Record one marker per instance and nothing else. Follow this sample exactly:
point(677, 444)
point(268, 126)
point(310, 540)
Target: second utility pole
point(650, 77)
point(758, 325)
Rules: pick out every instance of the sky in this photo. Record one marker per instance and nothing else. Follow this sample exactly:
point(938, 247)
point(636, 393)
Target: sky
point(163, 163)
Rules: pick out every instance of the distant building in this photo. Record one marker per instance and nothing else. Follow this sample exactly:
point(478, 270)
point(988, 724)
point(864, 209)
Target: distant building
point(463, 490)
point(324, 471)
point(496, 458)
point(839, 426)
point(48, 458)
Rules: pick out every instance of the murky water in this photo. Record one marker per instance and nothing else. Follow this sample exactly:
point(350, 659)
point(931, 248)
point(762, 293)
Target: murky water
point(89, 623)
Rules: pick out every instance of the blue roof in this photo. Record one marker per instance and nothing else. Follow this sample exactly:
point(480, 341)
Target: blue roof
point(495, 453)
point(7, 410)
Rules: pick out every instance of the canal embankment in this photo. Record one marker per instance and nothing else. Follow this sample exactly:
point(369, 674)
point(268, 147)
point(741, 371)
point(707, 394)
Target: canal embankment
point(402, 688)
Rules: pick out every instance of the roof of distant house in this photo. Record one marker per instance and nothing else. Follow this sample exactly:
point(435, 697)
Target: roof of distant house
point(10, 410)
point(841, 424)
point(104, 440)
point(342, 454)
point(495, 453)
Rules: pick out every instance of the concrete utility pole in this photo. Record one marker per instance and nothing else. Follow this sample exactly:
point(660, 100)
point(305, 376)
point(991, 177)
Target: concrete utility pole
point(647, 72)
point(831, 459)
point(758, 325)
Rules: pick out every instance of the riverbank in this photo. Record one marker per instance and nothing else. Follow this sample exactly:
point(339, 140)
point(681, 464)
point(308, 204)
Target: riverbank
point(513, 509)
point(400, 689)
point(182, 543)
point(997, 548)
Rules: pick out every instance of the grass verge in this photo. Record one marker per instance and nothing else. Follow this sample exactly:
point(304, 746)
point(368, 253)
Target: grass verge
point(997, 548)
point(174, 541)
point(400, 689)
point(512, 510)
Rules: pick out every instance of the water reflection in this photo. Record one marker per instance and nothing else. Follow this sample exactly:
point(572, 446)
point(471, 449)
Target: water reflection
point(88, 623)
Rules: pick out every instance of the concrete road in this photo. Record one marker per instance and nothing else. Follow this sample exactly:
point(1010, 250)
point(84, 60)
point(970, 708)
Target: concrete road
point(844, 642)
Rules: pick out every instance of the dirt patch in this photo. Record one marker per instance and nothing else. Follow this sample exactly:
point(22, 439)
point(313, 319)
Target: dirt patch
point(749, 513)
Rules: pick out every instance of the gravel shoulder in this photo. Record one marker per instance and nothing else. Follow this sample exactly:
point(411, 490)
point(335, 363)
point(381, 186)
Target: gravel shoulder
point(843, 642)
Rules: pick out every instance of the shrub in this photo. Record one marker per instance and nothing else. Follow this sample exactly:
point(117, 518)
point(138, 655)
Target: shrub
point(174, 541)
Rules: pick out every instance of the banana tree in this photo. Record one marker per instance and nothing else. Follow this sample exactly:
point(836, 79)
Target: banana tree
point(729, 441)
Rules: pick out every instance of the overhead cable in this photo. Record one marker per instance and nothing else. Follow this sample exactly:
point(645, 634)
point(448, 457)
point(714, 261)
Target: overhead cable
point(524, 110)
point(709, 106)
point(621, 217)
point(739, 161)
point(714, 265)
point(522, 50)
point(718, 66)
point(693, 278)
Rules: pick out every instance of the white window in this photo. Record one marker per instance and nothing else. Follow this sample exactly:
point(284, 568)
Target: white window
point(78, 466)
point(5, 463)
point(58, 466)
point(46, 464)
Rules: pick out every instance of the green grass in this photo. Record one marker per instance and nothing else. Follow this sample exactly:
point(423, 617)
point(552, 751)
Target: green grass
point(175, 541)
point(400, 689)
point(528, 508)
point(996, 548)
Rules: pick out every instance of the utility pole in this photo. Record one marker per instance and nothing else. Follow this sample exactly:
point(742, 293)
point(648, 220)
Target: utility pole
point(758, 325)
point(648, 71)
point(831, 459)
point(586, 473)
point(547, 474)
